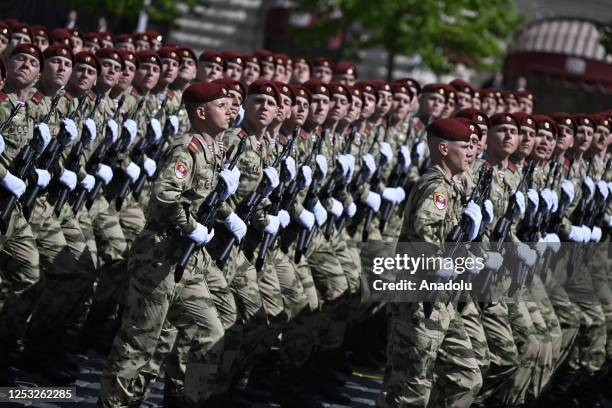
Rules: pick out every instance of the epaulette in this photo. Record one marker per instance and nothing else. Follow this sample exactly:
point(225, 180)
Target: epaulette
point(242, 133)
point(303, 134)
point(282, 139)
point(68, 96)
point(418, 125)
point(194, 145)
point(171, 93)
point(511, 166)
point(91, 95)
point(3, 96)
point(37, 97)
point(566, 163)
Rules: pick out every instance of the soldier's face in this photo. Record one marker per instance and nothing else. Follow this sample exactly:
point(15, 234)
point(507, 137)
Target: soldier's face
point(385, 101)
point(583, 138)
point(76, 43)
point(319, 108)
point(91, 47)
point(284, 110)
point(22, 70)
point(512, 105)
point(147, 75)
point(125, 80)
point(565, 139)
point(260, 110)
point(83, 77)
point(288, 73)
point(489, 106)
point(600, 138)
point(156, 44)
point(209, 71)
point(187, 70)
point(464, 101)
point(482, 142)
point(57, 71)
point(502, 140)
point(527, 141)
point(129, 46)
point(279, 73)
point(449, 108)
point(501, 106)
point(526, 105)
point(346, 79)
point(107, 44)
point(299, 111)
point(251, 73)
point(3, 43)
point(234, 71)
point(20, 38)
point(457, 155)
point(236, 98)
point(544, 144)
point(402, 104)
point(267, 71)
point(170, 69)
point(301, 72)
point(369, 105)
point(41, 42)
point(218, 115)
point(142, 45)
point(110, 73)
point(323, 74)
point(476, 103)
point(338, 108)
point(354, 111)
point(432, 104)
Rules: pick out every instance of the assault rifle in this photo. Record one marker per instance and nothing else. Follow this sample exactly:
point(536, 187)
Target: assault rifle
point(5, 215)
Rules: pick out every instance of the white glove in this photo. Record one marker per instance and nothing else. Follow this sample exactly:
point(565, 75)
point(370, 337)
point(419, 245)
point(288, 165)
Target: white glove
point(113, 128)
point(526, 254)
point(609, 185)
point(71, 129)
point(534, 198)
point(156, 128)
point(133, 171)
point(320, 213)
point(132, 129)
point(2, 144)
point(174, 121)
point(88, 182)
point(321, 164)
point(555, 198)
point(488, 214)
point(472, 210)
point(401, 194)
point(105, 173)
point(390, 194)
point(231, 179)
point(586, 234)
point(554, 242)
point(596, 234)
point(273, 224)
point(149, 166)
point(288, 172)
point(368, 161)
point(541, 246)
point(306, 219)
point(273, 181)
point(336, 207)
point(69, 179)
point(591, 186)
point(385, 150)
point(548, 198)
point(91, 130)
point(494, 261)
point(576, 233)
point(45, 136)
point(567, 187)
point(520, 201)
point(13, 184)
point(372, 200)
point(602, 186)
point(350, 159)
point(43, 178)
point(235, 224)
point(200, 235)
point(351, 210)
point(405, 152)
point(284, 218)
point(306, 173)
point(420, 150)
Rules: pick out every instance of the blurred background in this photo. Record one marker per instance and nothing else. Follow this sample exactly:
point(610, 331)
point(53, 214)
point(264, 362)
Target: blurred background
point(559, 49)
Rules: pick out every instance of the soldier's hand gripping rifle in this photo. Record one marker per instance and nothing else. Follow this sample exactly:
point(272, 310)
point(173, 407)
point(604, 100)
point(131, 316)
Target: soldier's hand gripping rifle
point(26, 162)
point(108, 153)
point(73, 162)
point(6, 208)
point(578, 218)
point(154, 152)
point(246, 209)
point(277, 200)
point(597, 208)
point(206, 213)
point(335, 184)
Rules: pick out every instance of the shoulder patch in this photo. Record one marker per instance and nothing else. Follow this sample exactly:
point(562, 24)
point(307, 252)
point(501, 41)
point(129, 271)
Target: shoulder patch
point(37, 97)
point(171, 93)
point(194, 145)
point(418, 125)
point(180, 169)
point(439, 201)
point(91, 95)
point(3, 96)
point(242, 133)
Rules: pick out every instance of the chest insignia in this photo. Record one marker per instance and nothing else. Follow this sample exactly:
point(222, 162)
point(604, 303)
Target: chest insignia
point(180, 169)
point(439, 201)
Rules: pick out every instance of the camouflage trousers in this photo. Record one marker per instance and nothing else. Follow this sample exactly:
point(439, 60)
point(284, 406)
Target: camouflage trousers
point(599, 264)
point(152, 298)
point(475, 331)
point(430, 361)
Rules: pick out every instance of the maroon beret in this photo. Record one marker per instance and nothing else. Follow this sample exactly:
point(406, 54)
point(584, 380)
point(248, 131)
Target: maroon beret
point(435, 88)
point(86, 57)
point(43, 31)
point(503, 118)
point(525, 95)
point(128, 56)
point(234, 56)
point(281, 59)
point(105, 36)
point(345, 67)
point(29, 49)
point(322, 62)
point(474, 115)
point(462, 86)
point(366, 87)
point(473, 126)
point(562, 118)
point(265, 87)
point(203, 92)
point(111, 54)
point(544, 122)
point(141, 37)
point(286, 90)
point(381, 85)
point(124, 38)
point(5, 30)
point(601, 119)
point(92, 37)
point(317, 87)
point(155, 36)
point(265, 55)
point(355, 93)
point(411, 83)
point(186, 52)
point(58, 50)
point(212, 56)
point(251, 58)
point(525, 120)
point(450, 92)
point(487, 92)
point(302, 60)
point(338, 88)
point(75, 32)
point(509, 95)
point(402, 88)
point(61, 36)
point(232, 85)
point(148, 56)
point(169, 53)
point(300, 91)
point(584, 120)
point(18, 27)
point(450, 129)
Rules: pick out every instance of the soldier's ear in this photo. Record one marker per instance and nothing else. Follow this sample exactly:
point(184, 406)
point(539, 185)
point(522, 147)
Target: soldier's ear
point(201, 112)
point(443, 149)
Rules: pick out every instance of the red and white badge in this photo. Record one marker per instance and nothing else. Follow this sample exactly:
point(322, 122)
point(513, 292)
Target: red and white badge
point(181, 170)
point(439, 201)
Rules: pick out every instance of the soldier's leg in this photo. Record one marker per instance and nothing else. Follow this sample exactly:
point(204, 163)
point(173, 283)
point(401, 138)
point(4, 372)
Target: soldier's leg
point(292, 290)
point(475, 331)
point(599, 274)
